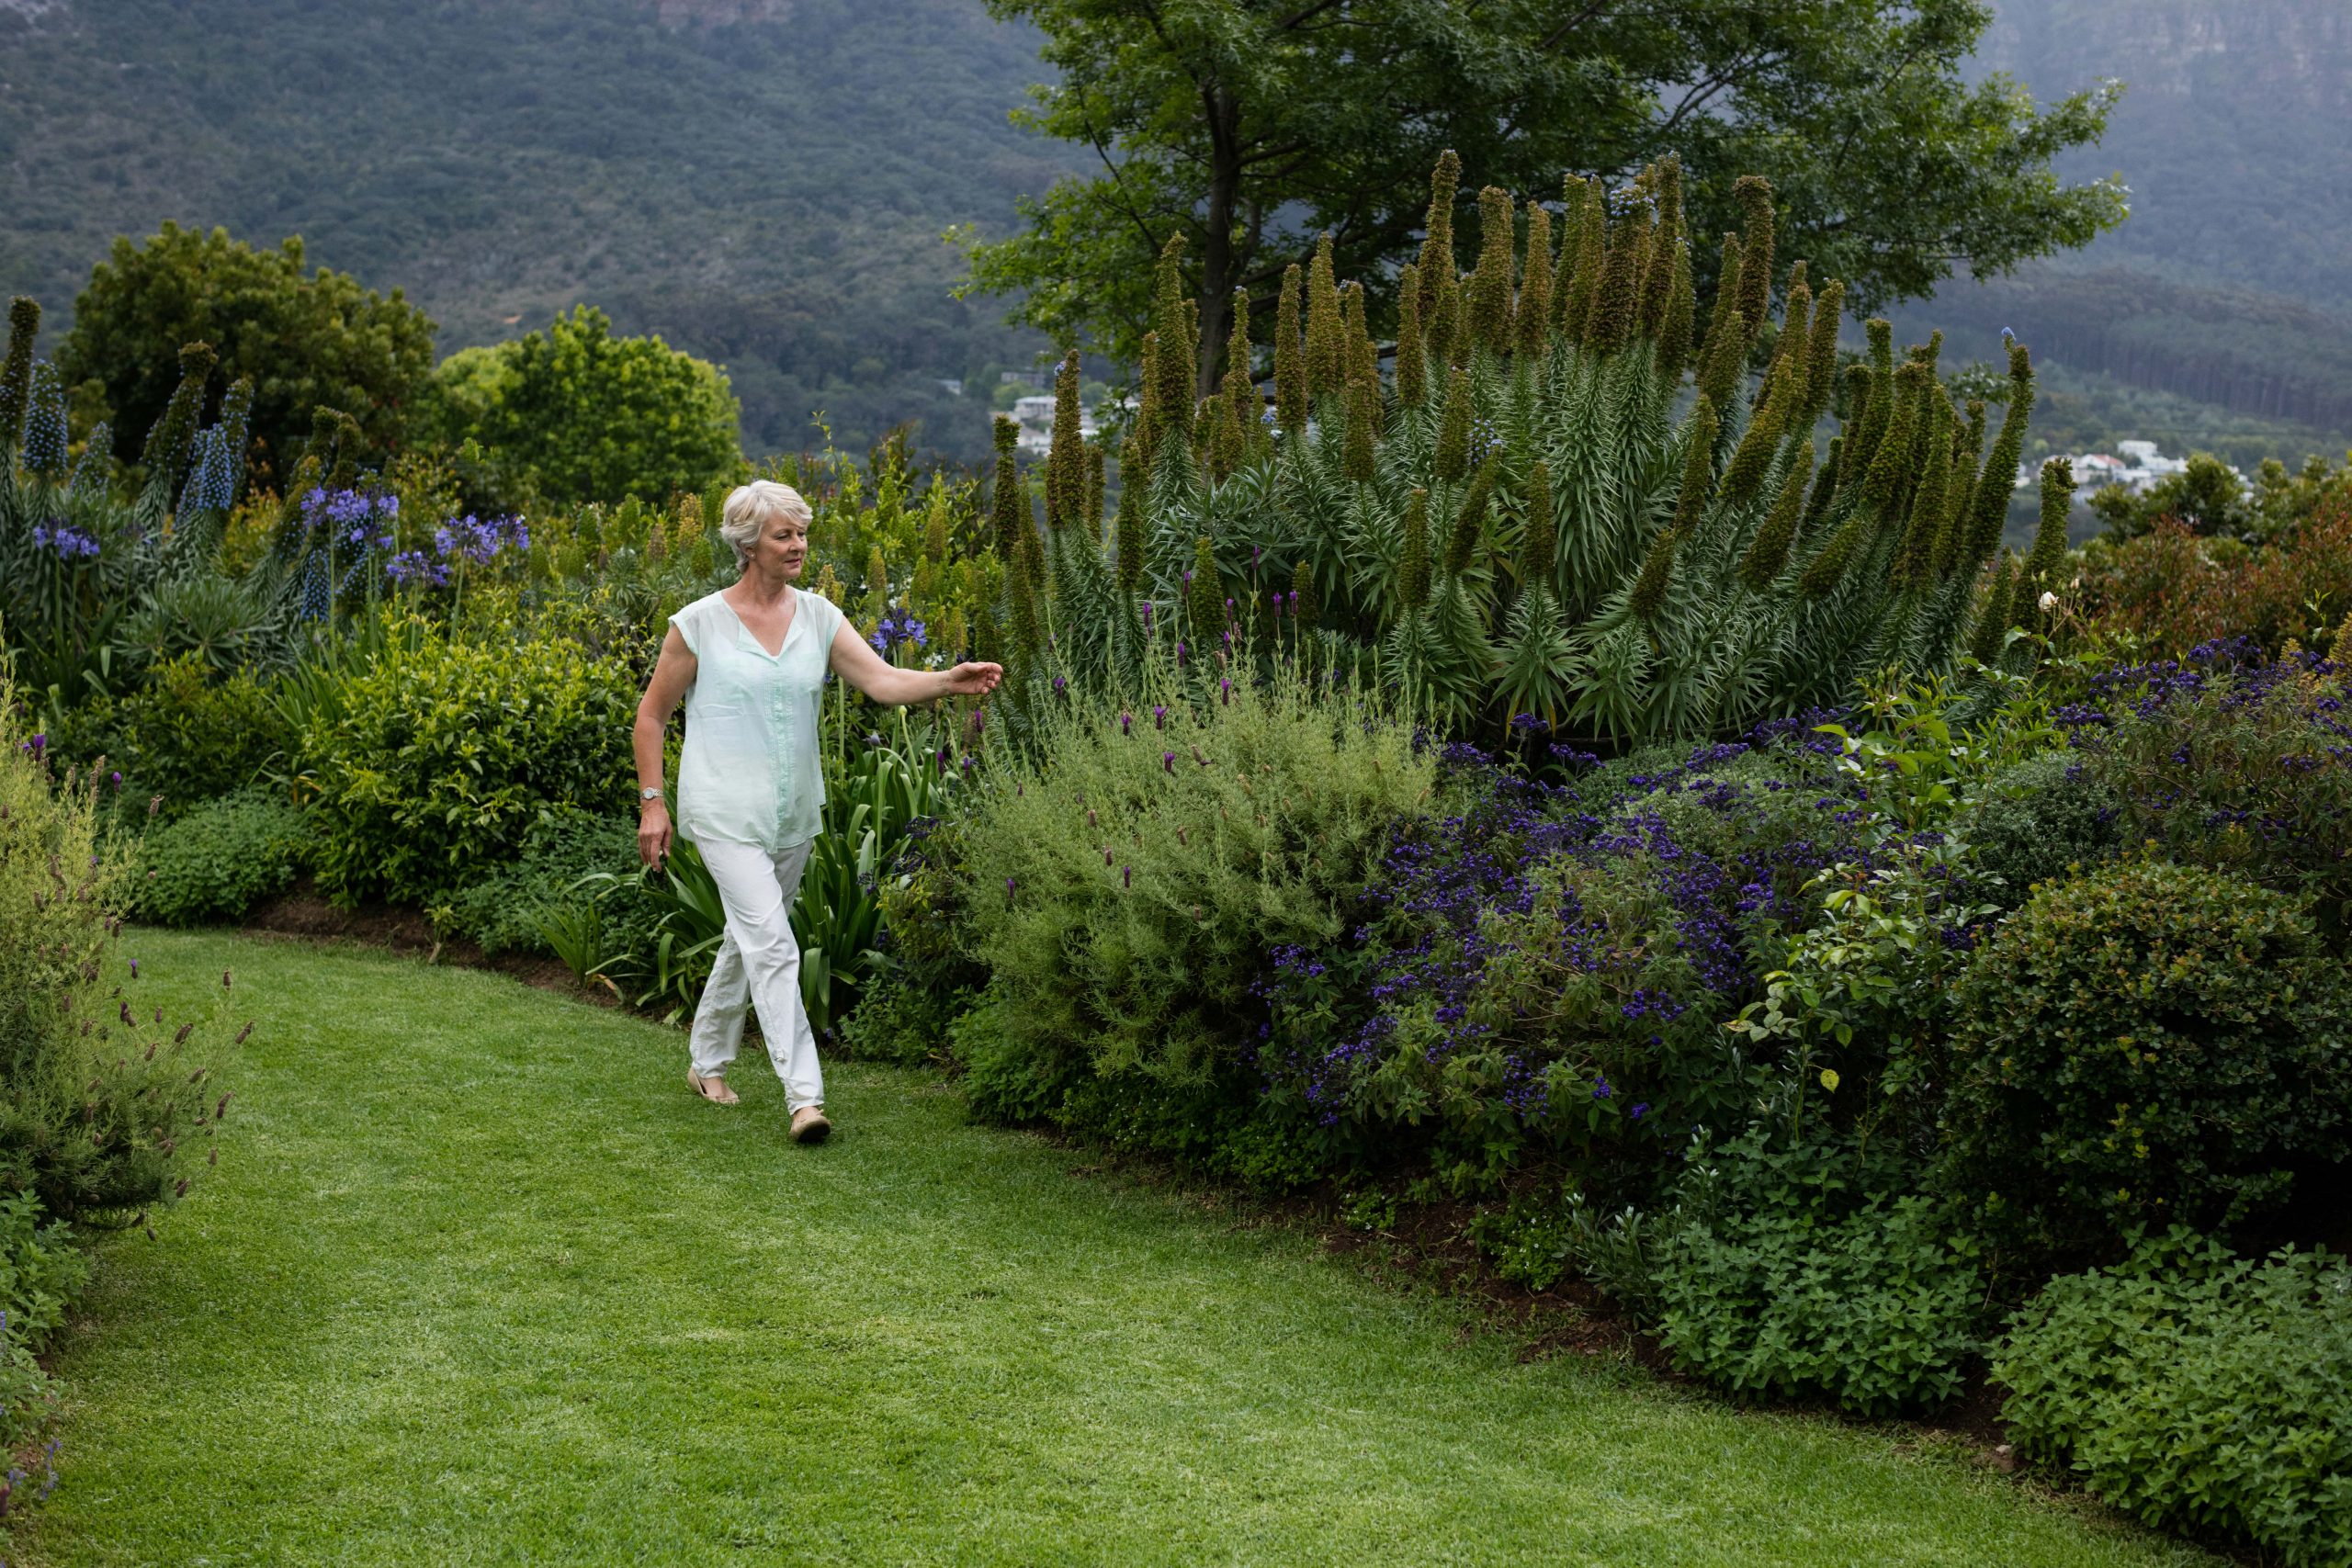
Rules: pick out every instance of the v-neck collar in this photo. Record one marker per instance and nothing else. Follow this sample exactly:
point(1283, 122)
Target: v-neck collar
point(745, 634)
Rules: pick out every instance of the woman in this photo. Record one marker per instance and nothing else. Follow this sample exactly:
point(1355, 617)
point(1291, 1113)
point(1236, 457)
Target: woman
point(749, 661)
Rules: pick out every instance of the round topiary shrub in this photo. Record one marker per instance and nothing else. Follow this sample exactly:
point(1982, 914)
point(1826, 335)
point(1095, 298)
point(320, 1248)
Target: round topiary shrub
point(2040, 819)
point(2145, 1044)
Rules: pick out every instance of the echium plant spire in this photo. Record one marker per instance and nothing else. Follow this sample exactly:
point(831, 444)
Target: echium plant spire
point(1142, 436)
point(1412, 356)
point(1173, 364)
point(1533, 322)
point(1452, 459)
point(1588, 240)
point(1723, 356)
point(1290, 356)
point(1326, 351)
point(1762, 440)
point(1915, 566)
point(1821, 353)
point(1132, 532)
point(1892, 463)
point(16, 373)
point(1769, 551)
point(1065, 460)
point(1491, 304)
point(1436, 262)
point(1796, 324)
point(167, 443)
point(1754, 194)
point(1237, 400)
point(1993, 615)
point(1681, 316)
point(1989, 507)
point(1539, 544)
point(1611, 327)
point(1470, 520)
point(2048, 557)
point(1657, 296)
point(1009, 505)
point(1413, 559)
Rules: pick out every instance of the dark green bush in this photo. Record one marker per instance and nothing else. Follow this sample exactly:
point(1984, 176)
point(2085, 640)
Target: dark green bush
point(2197, 1390)
point(1794, 1273)
point(2146, 1045)
point(2041, 819)
point(436, 761)
point(219, 860)
point(190, 737)
point(504, 909)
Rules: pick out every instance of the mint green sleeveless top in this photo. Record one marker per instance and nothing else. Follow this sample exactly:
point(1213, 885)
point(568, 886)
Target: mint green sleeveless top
point(750, 772)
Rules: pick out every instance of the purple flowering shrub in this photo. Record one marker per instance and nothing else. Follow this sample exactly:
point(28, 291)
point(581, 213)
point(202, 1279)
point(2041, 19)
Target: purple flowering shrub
point(1123, 887)
point(1543, 971)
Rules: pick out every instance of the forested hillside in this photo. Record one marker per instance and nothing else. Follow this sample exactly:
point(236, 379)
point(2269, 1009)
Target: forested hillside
point(765, 182)
point(2231, 283)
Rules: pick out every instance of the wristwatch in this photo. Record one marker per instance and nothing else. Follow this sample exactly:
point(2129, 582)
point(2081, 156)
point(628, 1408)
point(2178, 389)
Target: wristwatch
point(651, 793)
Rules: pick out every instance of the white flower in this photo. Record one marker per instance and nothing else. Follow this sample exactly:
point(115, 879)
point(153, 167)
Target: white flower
point(2049, 602)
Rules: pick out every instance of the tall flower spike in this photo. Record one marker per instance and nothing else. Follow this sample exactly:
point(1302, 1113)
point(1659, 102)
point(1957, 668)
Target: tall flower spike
point(1412, 357)
point(1915, 566)
point(1681, 313)
point(1762, 440)
point(1132, 532)
point(1992, 613)
point(1754, 194)
point(1656, 575)
point(1304, 606)
point(1614, 303)
point(1533, 322)
point(1179, 342)
point(1821, 353)
point(1204, 595)
point(2049, 555)
point(1143, 438)
point(1491, 301)
point(1360, 359)
point(1437, 261)
point(1237, 420)
point(1990, 506)
point(1094, 493)
point(1290, 356)
point(1462, 549)
point(1326, 356)
point(1009, 507)
point(1769, 551)
point(1968, 446)
point(1539, 544)
point(1588, 240)
point(1853, 455)
point(1827, 570)
point(1824, 488)
point(16, 372)
point(1892, 462)
point(1793, 346)
point(1065, 460)
point(1698, 484)
point(1457, 350)
point(1657, 287)
point(1452, 457)
point(1363, 424)
point(1723, 353)
point(1413, 561)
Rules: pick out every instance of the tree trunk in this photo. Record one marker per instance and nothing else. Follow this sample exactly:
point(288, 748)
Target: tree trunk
point(1219, 264)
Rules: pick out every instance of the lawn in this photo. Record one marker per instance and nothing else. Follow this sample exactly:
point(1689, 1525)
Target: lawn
point(478, 1280)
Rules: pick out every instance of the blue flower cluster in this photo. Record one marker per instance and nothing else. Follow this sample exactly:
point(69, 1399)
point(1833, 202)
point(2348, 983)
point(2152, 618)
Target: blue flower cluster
point(45, 422)
point(896, 629)
point(356, 519)
point(414, 569)
point(478, 539)
point(212, 473)
point(67, 542)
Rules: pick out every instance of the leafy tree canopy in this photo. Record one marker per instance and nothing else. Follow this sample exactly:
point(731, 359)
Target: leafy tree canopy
point(575, 415)
point(1249, 127)
point(303, 340)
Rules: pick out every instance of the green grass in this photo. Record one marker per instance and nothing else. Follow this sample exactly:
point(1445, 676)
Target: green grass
point(477, 1281)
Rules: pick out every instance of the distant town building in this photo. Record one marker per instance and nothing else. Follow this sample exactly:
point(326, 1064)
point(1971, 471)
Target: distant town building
point(2137, 465)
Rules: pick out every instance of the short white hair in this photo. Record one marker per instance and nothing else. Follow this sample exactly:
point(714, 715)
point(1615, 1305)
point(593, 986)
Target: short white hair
point(753, 507)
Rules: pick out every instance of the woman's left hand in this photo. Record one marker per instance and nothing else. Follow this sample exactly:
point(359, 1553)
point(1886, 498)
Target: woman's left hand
point(974, 680)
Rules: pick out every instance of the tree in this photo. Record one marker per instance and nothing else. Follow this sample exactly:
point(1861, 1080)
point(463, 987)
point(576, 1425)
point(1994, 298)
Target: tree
point(1250, 126)
point(2208, 496)
point(575, 415)
point(303, 341)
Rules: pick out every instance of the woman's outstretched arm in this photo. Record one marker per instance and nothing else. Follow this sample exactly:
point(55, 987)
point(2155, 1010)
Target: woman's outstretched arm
point(672, 673)
point(859, 664)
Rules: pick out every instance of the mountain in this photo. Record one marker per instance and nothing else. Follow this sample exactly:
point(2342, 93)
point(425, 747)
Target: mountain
point(2230, 285)
point(763, 182)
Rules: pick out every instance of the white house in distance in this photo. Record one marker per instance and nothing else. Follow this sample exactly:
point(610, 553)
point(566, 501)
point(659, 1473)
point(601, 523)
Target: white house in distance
point(2137, 465)
point(1035, 417)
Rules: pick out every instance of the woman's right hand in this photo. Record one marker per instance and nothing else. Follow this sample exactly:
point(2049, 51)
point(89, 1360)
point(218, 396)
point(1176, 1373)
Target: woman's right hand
point(653, 833)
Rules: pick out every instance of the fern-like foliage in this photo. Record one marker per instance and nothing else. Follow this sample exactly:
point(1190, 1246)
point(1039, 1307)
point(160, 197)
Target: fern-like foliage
point(1564, 497)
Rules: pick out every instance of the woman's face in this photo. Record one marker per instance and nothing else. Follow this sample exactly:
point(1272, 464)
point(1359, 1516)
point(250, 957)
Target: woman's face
point(781, 548)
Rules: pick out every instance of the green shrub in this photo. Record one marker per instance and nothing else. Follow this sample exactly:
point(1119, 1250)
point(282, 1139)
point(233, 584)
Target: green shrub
point(41, 1275)
point(505, 908)
point(2146, 1045)
point(219, 860)
point(2040, 819)
point(190, 737)
point(1124, 889)
point(436, 761)
point(100, 1114)
point(1789, 1277)
point(2198, 1391)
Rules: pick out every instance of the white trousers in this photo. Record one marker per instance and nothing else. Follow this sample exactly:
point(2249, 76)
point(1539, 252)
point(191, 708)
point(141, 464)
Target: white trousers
point(758, 966)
